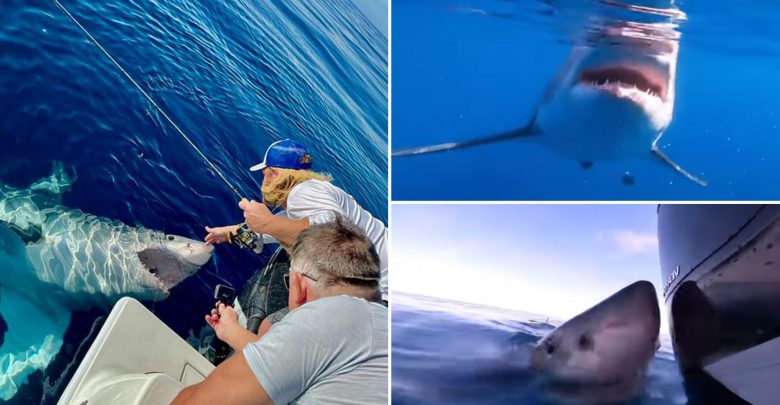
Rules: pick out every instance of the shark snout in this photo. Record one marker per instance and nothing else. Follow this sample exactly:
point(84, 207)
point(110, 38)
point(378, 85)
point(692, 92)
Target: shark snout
point(192, 251)
point(640, 298)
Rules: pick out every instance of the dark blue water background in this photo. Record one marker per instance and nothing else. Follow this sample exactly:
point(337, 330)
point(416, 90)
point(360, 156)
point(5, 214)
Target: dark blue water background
point(448, 352)
point(467, 68)
point(235, 75)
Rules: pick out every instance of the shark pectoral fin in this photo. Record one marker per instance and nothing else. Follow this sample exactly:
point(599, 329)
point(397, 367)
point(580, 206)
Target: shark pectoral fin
point(30, 234)
point(442, 147)
point(677, 167)
point(528, 130)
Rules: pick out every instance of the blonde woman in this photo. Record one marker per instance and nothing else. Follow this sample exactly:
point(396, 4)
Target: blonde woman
point(307, 198)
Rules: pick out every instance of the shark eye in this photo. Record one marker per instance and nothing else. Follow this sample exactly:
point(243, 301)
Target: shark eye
point(170, 237)
point(550, 349)
point(585, 343)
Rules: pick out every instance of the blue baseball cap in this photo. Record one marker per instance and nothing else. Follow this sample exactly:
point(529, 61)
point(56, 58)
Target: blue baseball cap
point(285, 154)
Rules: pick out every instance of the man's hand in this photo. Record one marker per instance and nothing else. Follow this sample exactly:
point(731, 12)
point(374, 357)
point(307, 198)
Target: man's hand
point(219, 234)
point(224, 322)
point(256, 215)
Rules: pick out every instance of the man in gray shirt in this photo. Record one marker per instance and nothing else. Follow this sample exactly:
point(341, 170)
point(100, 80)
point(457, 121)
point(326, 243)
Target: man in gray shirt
point(331, 348)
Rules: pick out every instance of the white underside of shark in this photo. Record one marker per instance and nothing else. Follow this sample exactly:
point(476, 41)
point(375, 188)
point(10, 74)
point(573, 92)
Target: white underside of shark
point(55, 260)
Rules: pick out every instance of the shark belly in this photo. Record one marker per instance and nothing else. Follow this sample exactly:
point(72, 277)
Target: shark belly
point(587, 125)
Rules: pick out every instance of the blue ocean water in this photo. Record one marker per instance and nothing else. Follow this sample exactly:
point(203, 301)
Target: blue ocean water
point(462, 69)
point(448, 352)
point(235, 75)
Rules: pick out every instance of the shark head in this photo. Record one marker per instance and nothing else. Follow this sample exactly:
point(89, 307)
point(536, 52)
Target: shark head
point(614, 96)
point(608, 343)
point(632, 64)
point(170, 260)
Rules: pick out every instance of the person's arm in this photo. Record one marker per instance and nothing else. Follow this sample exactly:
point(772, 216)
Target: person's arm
point(261, 220)
point(219, 234)
point(231, 383)
point(240, 337)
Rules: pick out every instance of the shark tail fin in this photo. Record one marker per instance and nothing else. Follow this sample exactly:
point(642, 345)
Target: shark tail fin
point(677, 167)
point(525, 131)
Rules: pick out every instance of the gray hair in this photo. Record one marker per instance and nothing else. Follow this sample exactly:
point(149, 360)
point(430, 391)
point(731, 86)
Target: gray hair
point(336, 252)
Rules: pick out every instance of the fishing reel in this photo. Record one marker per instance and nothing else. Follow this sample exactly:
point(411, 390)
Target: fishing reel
point(245, 238)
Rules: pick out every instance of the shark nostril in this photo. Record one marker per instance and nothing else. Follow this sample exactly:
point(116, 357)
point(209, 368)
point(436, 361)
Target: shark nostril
point(170, 237)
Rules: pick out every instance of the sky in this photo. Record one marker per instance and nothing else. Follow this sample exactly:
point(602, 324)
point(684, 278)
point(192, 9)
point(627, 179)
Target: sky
point(553, 260)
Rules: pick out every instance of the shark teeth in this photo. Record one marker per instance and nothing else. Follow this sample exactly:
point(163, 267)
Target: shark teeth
point(607, 84)
point(613, 78)
point(157, 280)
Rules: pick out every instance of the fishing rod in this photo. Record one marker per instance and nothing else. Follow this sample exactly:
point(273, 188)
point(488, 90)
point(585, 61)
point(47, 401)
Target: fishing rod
point(244, 237)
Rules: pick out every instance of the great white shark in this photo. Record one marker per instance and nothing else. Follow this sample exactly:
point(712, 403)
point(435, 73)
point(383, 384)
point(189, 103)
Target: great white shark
point(55, 260)
point(602, 354)
point(611, 99)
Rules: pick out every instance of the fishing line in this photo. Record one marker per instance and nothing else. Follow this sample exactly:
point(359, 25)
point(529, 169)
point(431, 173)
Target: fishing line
point(149, 98)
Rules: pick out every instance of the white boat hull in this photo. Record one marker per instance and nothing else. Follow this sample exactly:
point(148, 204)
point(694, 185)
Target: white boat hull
point(135, 359)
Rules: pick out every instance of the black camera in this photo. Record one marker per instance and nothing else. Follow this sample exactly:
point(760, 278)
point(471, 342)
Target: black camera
point(225, 294)
point(218, 350)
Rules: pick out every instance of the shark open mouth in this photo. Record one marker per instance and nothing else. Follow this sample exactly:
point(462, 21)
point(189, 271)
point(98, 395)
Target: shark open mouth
point(162, 283)
point(163, 266)
point(613, 79)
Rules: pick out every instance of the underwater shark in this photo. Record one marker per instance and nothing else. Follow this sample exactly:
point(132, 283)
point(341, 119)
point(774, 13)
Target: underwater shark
point(55, 260)
point(602, 354)
point(612, 99)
